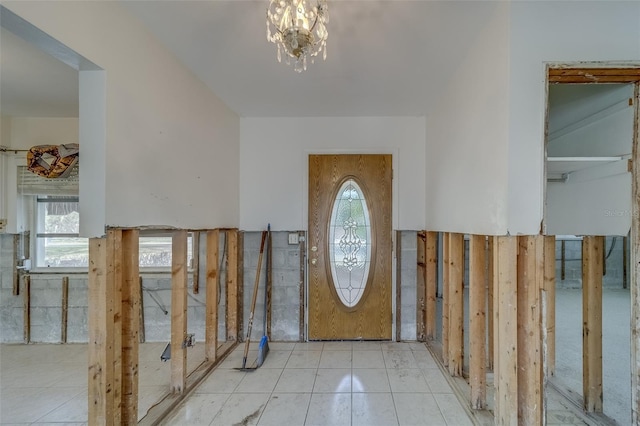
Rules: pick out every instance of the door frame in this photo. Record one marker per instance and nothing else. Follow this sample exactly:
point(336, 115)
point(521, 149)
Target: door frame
point(602, 73)
point(394, 152)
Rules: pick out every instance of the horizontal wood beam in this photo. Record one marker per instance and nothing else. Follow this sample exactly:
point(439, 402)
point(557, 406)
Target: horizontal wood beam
point(594, 75)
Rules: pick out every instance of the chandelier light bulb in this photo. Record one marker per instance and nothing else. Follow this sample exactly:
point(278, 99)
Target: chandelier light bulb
point(298, 28)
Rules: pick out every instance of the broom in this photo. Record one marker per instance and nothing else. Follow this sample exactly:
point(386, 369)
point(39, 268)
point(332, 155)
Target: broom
point(253, 306)
point(263, 347)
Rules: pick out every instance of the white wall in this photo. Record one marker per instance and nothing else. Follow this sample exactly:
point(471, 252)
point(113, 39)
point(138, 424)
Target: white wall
point(466, 161)
point(274, 165)
point(161, 121)
point(557, 32)
point(30, 131)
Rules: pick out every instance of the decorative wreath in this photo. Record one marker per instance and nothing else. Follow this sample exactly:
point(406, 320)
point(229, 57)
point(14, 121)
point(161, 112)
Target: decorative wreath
point(53, 161)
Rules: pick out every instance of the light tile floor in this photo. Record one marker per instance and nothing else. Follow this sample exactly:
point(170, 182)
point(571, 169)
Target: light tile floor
point(331, 383)
point(47, 383)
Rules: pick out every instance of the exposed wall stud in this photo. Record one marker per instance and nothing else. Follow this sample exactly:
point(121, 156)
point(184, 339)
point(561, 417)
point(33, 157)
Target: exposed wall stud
point(232, 285)
point(456, 303)
point(506, 330)
point(65, 309)
point(592, 248)
point(211, 314)
point(490, 302)
point(399, 286)
point(431, 283)
point(445, 298)
point(421, 293)
point(101, 329)
point(26, 297)
point(196, 261)
point(130, 325)
point(477, 321)
point(114, 280)
point(178, 311)
point(550, 289)
point(530, 374)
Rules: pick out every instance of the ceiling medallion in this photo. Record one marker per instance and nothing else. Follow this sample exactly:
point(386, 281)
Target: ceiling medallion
point(298, 28)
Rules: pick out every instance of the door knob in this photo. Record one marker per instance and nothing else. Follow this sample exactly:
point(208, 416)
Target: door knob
point(313, 261)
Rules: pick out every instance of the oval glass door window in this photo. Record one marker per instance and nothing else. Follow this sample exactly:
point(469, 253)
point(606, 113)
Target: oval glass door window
point(350, 243)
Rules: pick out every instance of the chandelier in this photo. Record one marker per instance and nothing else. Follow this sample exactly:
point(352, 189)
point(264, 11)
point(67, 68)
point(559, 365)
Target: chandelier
point(298, 28)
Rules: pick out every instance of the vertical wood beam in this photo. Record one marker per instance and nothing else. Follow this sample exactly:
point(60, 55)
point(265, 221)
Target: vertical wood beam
point(178, 311)
point(421, 293)
point(101, 331)
point(625, 262)
point(240, 284)
point(456, 304)
point(65, 309)
point(303, 251)
point(15, 276)
point(141, 310)
point(530, 284)
point(634, 251)
point(445, 298)
point(431, 283)
point(26, 308)
point(490, 302)
point(232, 285)
point(196, 261)
point(211, 310)
point(563, 259)
point(398, 315)
point(114, 280)
point(592, 248)
point(550, 289)
point(477, 321)
point(130, 325)
point(506, 330)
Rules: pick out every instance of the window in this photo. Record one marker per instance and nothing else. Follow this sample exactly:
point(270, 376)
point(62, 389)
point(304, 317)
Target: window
point(57, 228)
point(58, 244)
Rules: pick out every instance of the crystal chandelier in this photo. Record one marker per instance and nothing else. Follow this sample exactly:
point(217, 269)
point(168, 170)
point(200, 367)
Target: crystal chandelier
point(298, 28)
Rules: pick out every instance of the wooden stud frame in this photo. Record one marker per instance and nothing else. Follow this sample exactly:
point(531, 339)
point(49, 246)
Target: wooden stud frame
point(477, 321)
point(65, 309)
point(431, 283)
point(211, 310)
point(421, 293)
point(232, 303)
point(625, 73)
point(550, 289)
point(178, 311)
point(130, 325)
point(456, 304)
point(592, 268)
point(445, 299)
point(505, 334)
point(530, 373)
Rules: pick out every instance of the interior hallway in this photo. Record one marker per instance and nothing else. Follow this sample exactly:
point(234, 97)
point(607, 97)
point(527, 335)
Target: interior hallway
point(331, 383)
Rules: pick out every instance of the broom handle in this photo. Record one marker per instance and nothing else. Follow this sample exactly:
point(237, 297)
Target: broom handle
point(253, 300)
point(266, 281)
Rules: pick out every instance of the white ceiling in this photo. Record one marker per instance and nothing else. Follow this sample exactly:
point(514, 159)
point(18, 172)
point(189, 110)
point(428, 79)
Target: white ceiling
point(385, 58)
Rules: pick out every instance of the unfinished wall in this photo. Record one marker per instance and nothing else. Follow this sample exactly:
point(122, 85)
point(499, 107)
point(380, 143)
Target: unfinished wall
point(408, 284)
point(285, 296)
point(614, 270)
point(556, 32)
point(46, 303)
point(154, 126)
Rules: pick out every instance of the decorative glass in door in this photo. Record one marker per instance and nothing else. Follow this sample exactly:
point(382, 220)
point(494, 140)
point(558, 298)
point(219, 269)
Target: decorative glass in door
point(350, 243)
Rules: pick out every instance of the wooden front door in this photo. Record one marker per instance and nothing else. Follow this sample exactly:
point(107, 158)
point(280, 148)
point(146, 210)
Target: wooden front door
point(350, 247)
